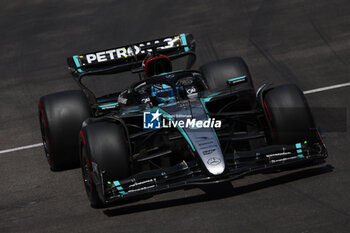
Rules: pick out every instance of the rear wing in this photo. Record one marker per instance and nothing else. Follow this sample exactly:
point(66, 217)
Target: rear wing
point(130, 57)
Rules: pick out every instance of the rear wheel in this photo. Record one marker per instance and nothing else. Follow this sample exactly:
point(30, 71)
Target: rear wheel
point(217, 73)
point(289, 115)
point(104, 149)
point(61, 116)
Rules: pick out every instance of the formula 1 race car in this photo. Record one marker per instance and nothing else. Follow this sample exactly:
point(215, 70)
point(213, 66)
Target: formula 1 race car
point(173, 129)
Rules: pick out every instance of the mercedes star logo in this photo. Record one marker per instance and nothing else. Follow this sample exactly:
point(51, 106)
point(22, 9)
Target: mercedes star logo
point(214, 161)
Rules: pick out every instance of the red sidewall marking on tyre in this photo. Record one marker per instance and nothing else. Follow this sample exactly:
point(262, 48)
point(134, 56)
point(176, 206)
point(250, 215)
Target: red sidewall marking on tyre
point(43, 116)
point(82, 136)
point(267, 110)
point(274, 132)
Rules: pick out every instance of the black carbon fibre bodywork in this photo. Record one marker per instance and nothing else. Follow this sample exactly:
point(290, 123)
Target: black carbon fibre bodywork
point(174, 156)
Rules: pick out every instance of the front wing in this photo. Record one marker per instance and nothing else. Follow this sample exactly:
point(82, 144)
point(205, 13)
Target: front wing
point(191, 174)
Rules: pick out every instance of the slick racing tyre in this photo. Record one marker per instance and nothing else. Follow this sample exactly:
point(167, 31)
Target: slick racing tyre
point(103, 148)
point(61, 116)
point(289, 114)
point(216, 74)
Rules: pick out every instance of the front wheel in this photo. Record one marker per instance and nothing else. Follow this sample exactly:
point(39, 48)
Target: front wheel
point(289, 115)
point(217, 74)
point(104, 153)
point(61, 116)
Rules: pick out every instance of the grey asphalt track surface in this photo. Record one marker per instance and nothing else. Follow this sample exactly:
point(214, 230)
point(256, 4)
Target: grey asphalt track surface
point(294, 41)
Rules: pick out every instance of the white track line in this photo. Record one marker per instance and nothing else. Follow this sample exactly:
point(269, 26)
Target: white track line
point(326, 88)
point(20, 148)
point(305, 92)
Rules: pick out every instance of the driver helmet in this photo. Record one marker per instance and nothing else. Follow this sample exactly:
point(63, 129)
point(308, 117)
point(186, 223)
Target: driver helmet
point(163, 93)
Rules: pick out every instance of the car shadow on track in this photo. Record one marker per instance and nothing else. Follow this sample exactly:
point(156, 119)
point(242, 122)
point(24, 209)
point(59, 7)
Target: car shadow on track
point(226, 191)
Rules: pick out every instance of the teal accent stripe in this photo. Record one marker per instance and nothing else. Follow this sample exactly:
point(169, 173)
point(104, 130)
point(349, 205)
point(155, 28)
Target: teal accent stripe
point(203, 101)
point(107, 105)
point(234, 79)
point(301, 156)
point(119, 187)
point(184, 42)
point(133, 110)
point(164, 73)
point(298, 145)
point(181, 130)
point(214, 94)
point(299, 151)
point(77, 64)
point(183, 39)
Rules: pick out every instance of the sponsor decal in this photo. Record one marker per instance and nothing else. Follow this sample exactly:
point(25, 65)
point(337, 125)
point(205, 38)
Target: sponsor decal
point(278, 154)
point(214, 161)
point(285, 159)
point(141, 189)
point(109, 107)
point(126, 52)
point(206, 147)
point(145, 100)
point(205, 143)
point(191, 90)
point(237, 81)
point(143, 182)
point(208, 152)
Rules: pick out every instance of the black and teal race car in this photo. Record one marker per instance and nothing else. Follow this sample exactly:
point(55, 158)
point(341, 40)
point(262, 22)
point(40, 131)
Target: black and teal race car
point(173, 129)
